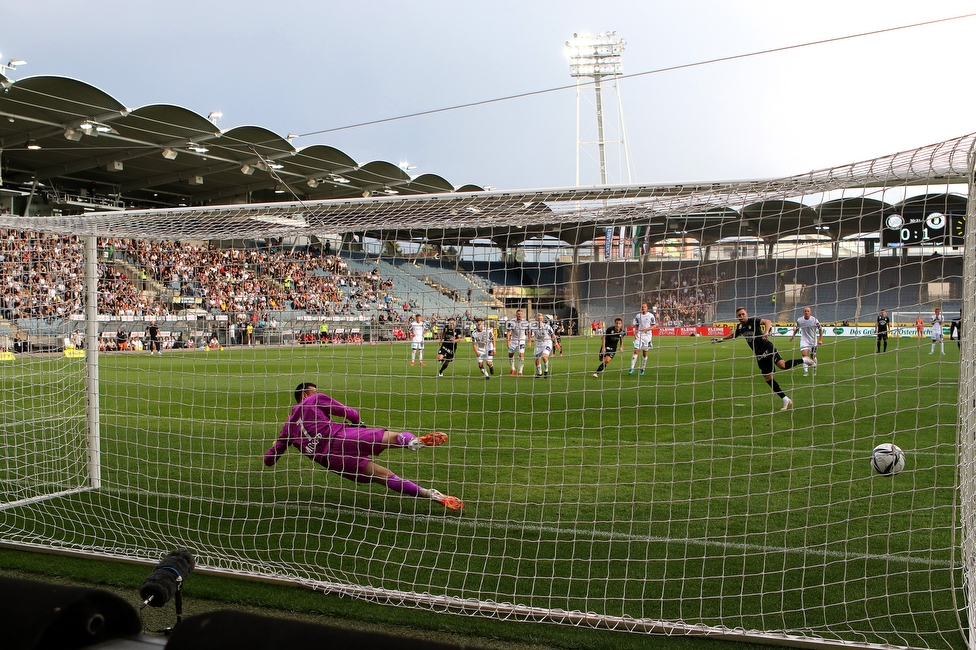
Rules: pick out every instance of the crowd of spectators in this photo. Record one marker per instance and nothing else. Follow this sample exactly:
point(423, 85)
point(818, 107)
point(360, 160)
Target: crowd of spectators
point(43, 278)
point(684, 299)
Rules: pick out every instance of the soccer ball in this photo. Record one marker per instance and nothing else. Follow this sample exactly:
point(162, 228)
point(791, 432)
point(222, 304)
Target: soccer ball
point(888, 459)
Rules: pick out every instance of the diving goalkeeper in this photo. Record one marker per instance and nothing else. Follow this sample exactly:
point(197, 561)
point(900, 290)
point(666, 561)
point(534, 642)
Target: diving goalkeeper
point(347, 449)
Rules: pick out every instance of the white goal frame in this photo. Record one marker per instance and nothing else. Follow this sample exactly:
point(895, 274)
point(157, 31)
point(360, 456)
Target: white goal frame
point(950, 162)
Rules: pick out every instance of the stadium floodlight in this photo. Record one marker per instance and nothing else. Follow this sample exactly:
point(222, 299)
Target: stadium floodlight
point(32, 145)
point(170, 154)
point(73, 134)
point(11, 65)
point(596, 57)
point(214, 117)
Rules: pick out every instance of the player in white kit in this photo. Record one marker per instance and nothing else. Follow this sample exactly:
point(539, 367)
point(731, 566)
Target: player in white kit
point(543, 337)
point(644, 323)
point(811, 335)
point(938, 321)
point(483, 341)
point(417, 330)
point(516, 332)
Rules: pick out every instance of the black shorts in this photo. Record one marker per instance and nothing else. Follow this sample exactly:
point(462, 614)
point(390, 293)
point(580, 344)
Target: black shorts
point(882, 336)
point(767, 362)
point(447, 353)
point(608, 353)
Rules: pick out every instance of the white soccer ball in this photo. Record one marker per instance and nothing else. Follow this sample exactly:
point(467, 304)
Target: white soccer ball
point(888, 459)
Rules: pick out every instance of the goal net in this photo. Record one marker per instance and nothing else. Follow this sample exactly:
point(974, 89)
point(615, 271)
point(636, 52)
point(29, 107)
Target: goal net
point(642, 482)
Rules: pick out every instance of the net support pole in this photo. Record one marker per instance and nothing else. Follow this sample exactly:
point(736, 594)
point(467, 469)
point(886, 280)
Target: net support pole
point(91, 362)
point(966, 435)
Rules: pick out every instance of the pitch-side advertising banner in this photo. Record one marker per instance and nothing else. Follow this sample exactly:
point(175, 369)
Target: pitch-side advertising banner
point(894, 332)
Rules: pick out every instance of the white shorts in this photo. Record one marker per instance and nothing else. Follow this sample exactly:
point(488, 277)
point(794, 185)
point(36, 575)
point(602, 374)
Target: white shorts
point(643, 341)
point(937, 334)
point(416, 346)
point(515, 346)
point(812, 349)
point(485, 355)
point(543, 349)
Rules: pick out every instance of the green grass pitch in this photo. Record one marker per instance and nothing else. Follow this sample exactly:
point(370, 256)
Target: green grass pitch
point(680, 495)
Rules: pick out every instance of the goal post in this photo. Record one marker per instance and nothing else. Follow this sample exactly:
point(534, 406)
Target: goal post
point(651, 483)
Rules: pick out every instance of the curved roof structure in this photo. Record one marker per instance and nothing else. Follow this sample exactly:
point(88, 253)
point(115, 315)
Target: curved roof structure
point(79, 149)
point(83, 149)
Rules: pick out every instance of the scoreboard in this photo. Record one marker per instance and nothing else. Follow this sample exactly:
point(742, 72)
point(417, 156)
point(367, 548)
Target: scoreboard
point(936, 228)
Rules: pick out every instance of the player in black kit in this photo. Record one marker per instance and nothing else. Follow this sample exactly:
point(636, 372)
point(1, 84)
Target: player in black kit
point(882, 330)
point(756, 332)
point(611, 341)
point(449, 342)
point(955, 330)
point(153, 332)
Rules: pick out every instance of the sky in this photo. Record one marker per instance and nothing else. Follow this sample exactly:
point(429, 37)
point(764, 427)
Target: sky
point(314, 67)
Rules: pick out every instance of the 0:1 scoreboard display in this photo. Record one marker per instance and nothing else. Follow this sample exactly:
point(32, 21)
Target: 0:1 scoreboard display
point(936, 228)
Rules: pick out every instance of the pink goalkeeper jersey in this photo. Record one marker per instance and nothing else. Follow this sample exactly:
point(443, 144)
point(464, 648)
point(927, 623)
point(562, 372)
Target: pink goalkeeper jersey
point(310, 428)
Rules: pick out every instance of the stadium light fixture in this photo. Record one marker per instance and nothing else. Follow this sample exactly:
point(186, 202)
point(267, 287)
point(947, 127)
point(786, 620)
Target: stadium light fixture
point(11, 65)
point(247, 170)
point(198, 148)
point(313, 183)
point(596, 57)
point(214, 117)
point(73, 135)
point(170, 154)
point(32, 145)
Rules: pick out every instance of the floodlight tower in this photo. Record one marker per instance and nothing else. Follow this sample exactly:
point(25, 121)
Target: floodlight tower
point(598, 57)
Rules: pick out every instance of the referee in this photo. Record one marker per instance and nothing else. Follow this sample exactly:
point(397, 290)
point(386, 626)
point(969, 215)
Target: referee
point(884, 324)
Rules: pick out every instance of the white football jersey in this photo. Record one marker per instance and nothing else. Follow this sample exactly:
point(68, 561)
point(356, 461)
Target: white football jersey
point(484, 340)
point(642, 320)
point(809, 329)
point(417, 331)
point(518, 330)
point(542, 333)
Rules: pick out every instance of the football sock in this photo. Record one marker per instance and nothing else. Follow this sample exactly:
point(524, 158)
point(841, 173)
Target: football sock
point(404, 439)
point(521, 366)
point(600, 369)
point(792, 362)
point(775, 386)
point(403, 486)
point(443, 367)
point(545, 366)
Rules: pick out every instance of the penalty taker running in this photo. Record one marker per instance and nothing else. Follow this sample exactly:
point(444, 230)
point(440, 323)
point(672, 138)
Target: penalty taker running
point(348, 449)
point(756, 332)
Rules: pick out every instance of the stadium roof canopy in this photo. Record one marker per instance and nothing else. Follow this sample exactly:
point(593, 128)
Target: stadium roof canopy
point(73, 145)
point(76, 149)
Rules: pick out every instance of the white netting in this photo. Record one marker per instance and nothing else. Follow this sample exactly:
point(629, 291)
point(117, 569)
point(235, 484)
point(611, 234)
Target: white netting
point(677, 497)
